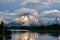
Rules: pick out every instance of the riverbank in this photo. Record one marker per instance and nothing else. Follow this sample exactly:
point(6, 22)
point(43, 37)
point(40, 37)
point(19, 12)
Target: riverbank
point(37, 30)
point(46, 31)
point(1, 35)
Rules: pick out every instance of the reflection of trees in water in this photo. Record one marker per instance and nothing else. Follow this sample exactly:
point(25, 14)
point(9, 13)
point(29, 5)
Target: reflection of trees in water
point(54, 34)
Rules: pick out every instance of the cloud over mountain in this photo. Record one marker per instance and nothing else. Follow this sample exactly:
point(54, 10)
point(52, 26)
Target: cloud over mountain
point(21, 11)
point(29, 11)
point(50, 14)
point(26, 16)
point(26, 13)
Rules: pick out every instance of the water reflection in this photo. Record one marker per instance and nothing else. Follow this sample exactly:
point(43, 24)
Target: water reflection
point(32, 36)
point(46, 37)
point(24, 36)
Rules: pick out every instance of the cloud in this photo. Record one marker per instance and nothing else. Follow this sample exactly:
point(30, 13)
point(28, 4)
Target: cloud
point(57, 0)
point(46, 2)
point(50, 14)
point(2, 1)
point(8, 16)
point(3, 20)
point(29, 8)
point(21, 11)
point(26, 1)
point(38, 4)
point(35, 5)
point(28, 16)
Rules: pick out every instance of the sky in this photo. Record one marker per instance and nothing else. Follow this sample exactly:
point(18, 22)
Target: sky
point(26, 10)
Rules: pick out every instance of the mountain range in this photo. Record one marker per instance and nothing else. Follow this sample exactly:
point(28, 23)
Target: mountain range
point(56, 21)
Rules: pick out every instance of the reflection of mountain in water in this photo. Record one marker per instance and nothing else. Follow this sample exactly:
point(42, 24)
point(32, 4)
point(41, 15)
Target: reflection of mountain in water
point(32, 36)
point(24, 36)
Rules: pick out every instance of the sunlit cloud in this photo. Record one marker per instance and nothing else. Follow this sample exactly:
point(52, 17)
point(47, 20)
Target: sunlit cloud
point(2, 20)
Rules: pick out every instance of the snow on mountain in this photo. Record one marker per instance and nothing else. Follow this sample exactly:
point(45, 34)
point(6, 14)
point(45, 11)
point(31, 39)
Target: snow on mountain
point(56, 21)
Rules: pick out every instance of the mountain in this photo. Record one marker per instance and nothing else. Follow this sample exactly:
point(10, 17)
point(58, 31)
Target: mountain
point(14, 24)
point(40, 23)
point(56, 21)
point(19, 24)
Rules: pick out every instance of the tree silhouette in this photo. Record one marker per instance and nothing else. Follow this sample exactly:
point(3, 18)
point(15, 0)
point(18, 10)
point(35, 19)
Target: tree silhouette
point(1, 30)
point(1, 27)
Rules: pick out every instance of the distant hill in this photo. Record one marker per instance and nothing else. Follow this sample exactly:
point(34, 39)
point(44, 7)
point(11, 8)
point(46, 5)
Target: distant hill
point(14, 24)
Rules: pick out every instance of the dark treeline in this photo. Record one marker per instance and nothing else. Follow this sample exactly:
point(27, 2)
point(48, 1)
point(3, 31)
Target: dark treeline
point(55, 27)
point(49, 27)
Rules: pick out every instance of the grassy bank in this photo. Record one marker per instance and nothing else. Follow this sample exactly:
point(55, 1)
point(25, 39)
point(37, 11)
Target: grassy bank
point(1, 35)
point(46, 31)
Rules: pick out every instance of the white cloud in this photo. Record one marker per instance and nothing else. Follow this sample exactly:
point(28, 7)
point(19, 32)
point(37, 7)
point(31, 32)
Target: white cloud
point(57, 1)
point(7, 13)
point(26, 1)
point(38, 4)
point(46, 2)
point(8, 16)
point(50, 14)
point(26, 10)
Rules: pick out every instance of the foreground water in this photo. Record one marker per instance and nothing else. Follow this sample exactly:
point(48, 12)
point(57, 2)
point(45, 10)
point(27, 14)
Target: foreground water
point(22, 35)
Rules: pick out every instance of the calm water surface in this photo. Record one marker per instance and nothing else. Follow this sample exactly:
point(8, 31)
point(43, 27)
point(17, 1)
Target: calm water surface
point(33, 36)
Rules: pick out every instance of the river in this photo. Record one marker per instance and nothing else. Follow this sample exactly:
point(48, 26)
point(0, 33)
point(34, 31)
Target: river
point(27, 35)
